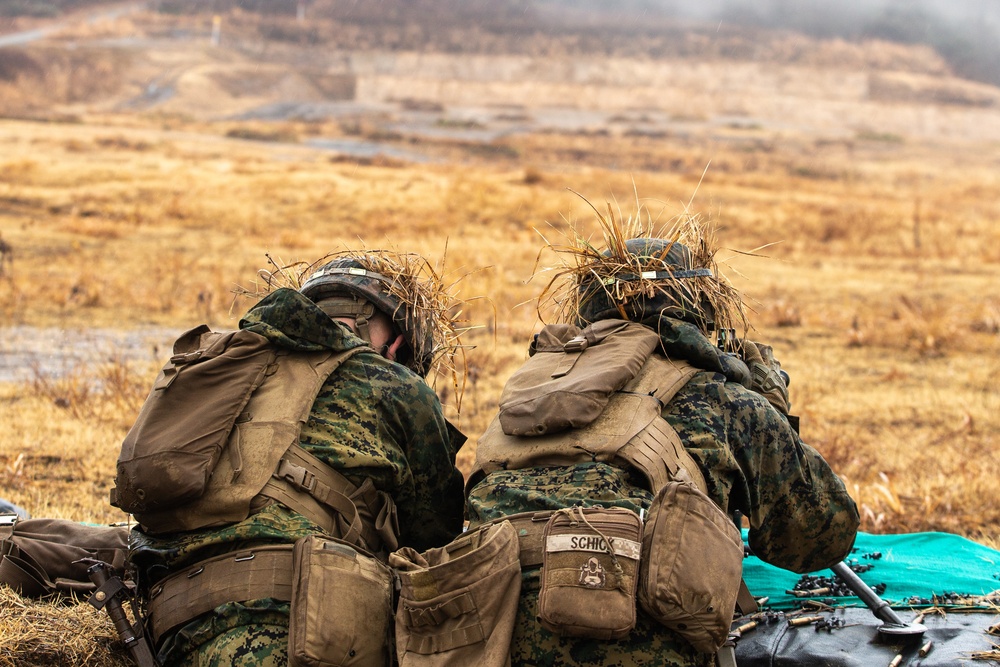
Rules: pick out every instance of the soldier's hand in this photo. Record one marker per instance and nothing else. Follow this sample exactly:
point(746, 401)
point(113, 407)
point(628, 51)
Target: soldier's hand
point(765, 371)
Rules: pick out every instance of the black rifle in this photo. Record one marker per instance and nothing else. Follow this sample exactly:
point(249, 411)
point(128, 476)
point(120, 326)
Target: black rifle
point(111, 590)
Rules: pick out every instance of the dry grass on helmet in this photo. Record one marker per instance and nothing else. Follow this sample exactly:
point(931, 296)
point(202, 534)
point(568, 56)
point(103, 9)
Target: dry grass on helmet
point(430, 297)
point(583, 259)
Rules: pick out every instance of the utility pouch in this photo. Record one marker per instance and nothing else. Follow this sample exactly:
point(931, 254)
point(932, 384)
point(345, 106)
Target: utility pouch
point(590, 565)
point(341, 608)
point(457, 603)
point(571, 376)
point(692, 566)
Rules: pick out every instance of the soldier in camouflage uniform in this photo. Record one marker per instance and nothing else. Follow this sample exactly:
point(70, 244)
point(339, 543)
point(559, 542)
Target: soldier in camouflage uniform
point(374, 418)
point(801, 516)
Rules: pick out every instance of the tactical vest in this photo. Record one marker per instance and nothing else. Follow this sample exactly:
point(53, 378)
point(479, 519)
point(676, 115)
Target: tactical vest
point(629, 431)
point(260, 460)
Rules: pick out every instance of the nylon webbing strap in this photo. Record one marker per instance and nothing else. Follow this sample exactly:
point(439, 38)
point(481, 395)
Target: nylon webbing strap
point(255, 574)
point(726, 657)
point(313, 489)
point(440, 642)
point(745, 599)
point(662, 378)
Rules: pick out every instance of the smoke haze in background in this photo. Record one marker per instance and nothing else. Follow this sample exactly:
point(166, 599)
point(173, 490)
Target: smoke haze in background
point(965, 32)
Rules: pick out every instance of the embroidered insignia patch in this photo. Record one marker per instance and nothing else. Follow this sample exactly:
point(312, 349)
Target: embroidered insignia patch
point(592, 575)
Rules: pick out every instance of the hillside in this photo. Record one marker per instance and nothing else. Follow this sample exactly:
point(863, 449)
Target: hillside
point(482, 81)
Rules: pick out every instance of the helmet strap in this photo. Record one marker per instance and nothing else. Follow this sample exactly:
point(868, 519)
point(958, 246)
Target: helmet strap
point(359, 310)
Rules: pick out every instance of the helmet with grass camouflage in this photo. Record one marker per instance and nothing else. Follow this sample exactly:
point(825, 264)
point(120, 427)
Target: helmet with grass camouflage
point(652, 276)
point(346, 287)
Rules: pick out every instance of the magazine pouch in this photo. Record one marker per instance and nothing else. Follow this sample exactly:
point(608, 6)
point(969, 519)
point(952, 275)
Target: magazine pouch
point(589, 572)
point(458, 603)
point(692, 566)
point(341, 608)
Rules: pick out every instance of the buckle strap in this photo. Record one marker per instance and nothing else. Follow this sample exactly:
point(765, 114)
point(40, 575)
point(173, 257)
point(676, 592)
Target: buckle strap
point(255, 574)
point(360, 515)
point(7, 523)
point(299, 477)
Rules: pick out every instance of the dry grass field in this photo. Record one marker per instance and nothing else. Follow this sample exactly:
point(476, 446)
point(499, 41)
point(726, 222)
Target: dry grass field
point(873, 264)
point(878, 290)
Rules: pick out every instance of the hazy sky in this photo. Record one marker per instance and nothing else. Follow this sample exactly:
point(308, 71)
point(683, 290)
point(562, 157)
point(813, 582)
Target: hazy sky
point(966, 33)
point(962, 10)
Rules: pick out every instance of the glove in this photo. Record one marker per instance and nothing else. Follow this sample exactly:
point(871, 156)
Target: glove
point(766, 374)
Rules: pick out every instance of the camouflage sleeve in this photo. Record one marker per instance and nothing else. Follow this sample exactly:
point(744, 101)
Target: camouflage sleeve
point(801, 516)
point(431, 507)
point(378, 420)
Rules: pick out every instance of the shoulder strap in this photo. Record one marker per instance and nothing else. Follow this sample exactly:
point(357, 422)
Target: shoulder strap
point(657, 449)
point(361, 515)
point(663, 378)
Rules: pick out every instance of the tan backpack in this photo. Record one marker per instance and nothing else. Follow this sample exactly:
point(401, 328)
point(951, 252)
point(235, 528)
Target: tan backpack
point(172, 449)
point(218, 435)
point(572, 374)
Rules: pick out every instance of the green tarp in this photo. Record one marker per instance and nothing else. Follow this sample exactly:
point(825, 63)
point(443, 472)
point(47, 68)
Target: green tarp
point(913, 567)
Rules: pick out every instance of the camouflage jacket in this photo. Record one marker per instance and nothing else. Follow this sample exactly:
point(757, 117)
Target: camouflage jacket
point(373, 418)
point(801, 516)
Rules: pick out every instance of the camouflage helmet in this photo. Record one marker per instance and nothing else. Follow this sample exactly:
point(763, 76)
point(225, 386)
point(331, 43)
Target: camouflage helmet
point(651, 276)
point(348, 287)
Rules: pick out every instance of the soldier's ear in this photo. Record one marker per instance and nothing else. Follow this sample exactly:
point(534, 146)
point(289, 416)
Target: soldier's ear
point(397, 349)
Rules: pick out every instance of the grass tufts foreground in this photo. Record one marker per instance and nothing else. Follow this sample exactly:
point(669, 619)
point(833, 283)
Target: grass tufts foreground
point(55, 633)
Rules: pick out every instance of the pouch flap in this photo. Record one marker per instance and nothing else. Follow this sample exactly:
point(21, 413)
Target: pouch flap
point(568, 381)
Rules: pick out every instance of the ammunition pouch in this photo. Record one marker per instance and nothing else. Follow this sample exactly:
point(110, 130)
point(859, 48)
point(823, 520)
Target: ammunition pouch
point(342, 606)
point(458, 603)
point(692, 566)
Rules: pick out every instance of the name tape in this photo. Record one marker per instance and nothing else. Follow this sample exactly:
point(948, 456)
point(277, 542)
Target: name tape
point(594, 543)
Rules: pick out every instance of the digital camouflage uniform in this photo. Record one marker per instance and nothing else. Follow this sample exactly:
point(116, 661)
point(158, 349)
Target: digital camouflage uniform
point(801, 516)
point(373, 419)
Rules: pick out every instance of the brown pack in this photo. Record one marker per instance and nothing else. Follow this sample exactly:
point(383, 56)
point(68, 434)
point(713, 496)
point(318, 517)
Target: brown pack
point(172, 449)
point(692, 565)
point(219, 433)
point(43, 556)
point(458, 603)
point(341, 608)
point(589, 572)
point(572, 374)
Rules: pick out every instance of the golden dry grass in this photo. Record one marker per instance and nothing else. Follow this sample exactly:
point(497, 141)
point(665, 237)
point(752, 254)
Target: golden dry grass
point(878, 296)
point(59, 634)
